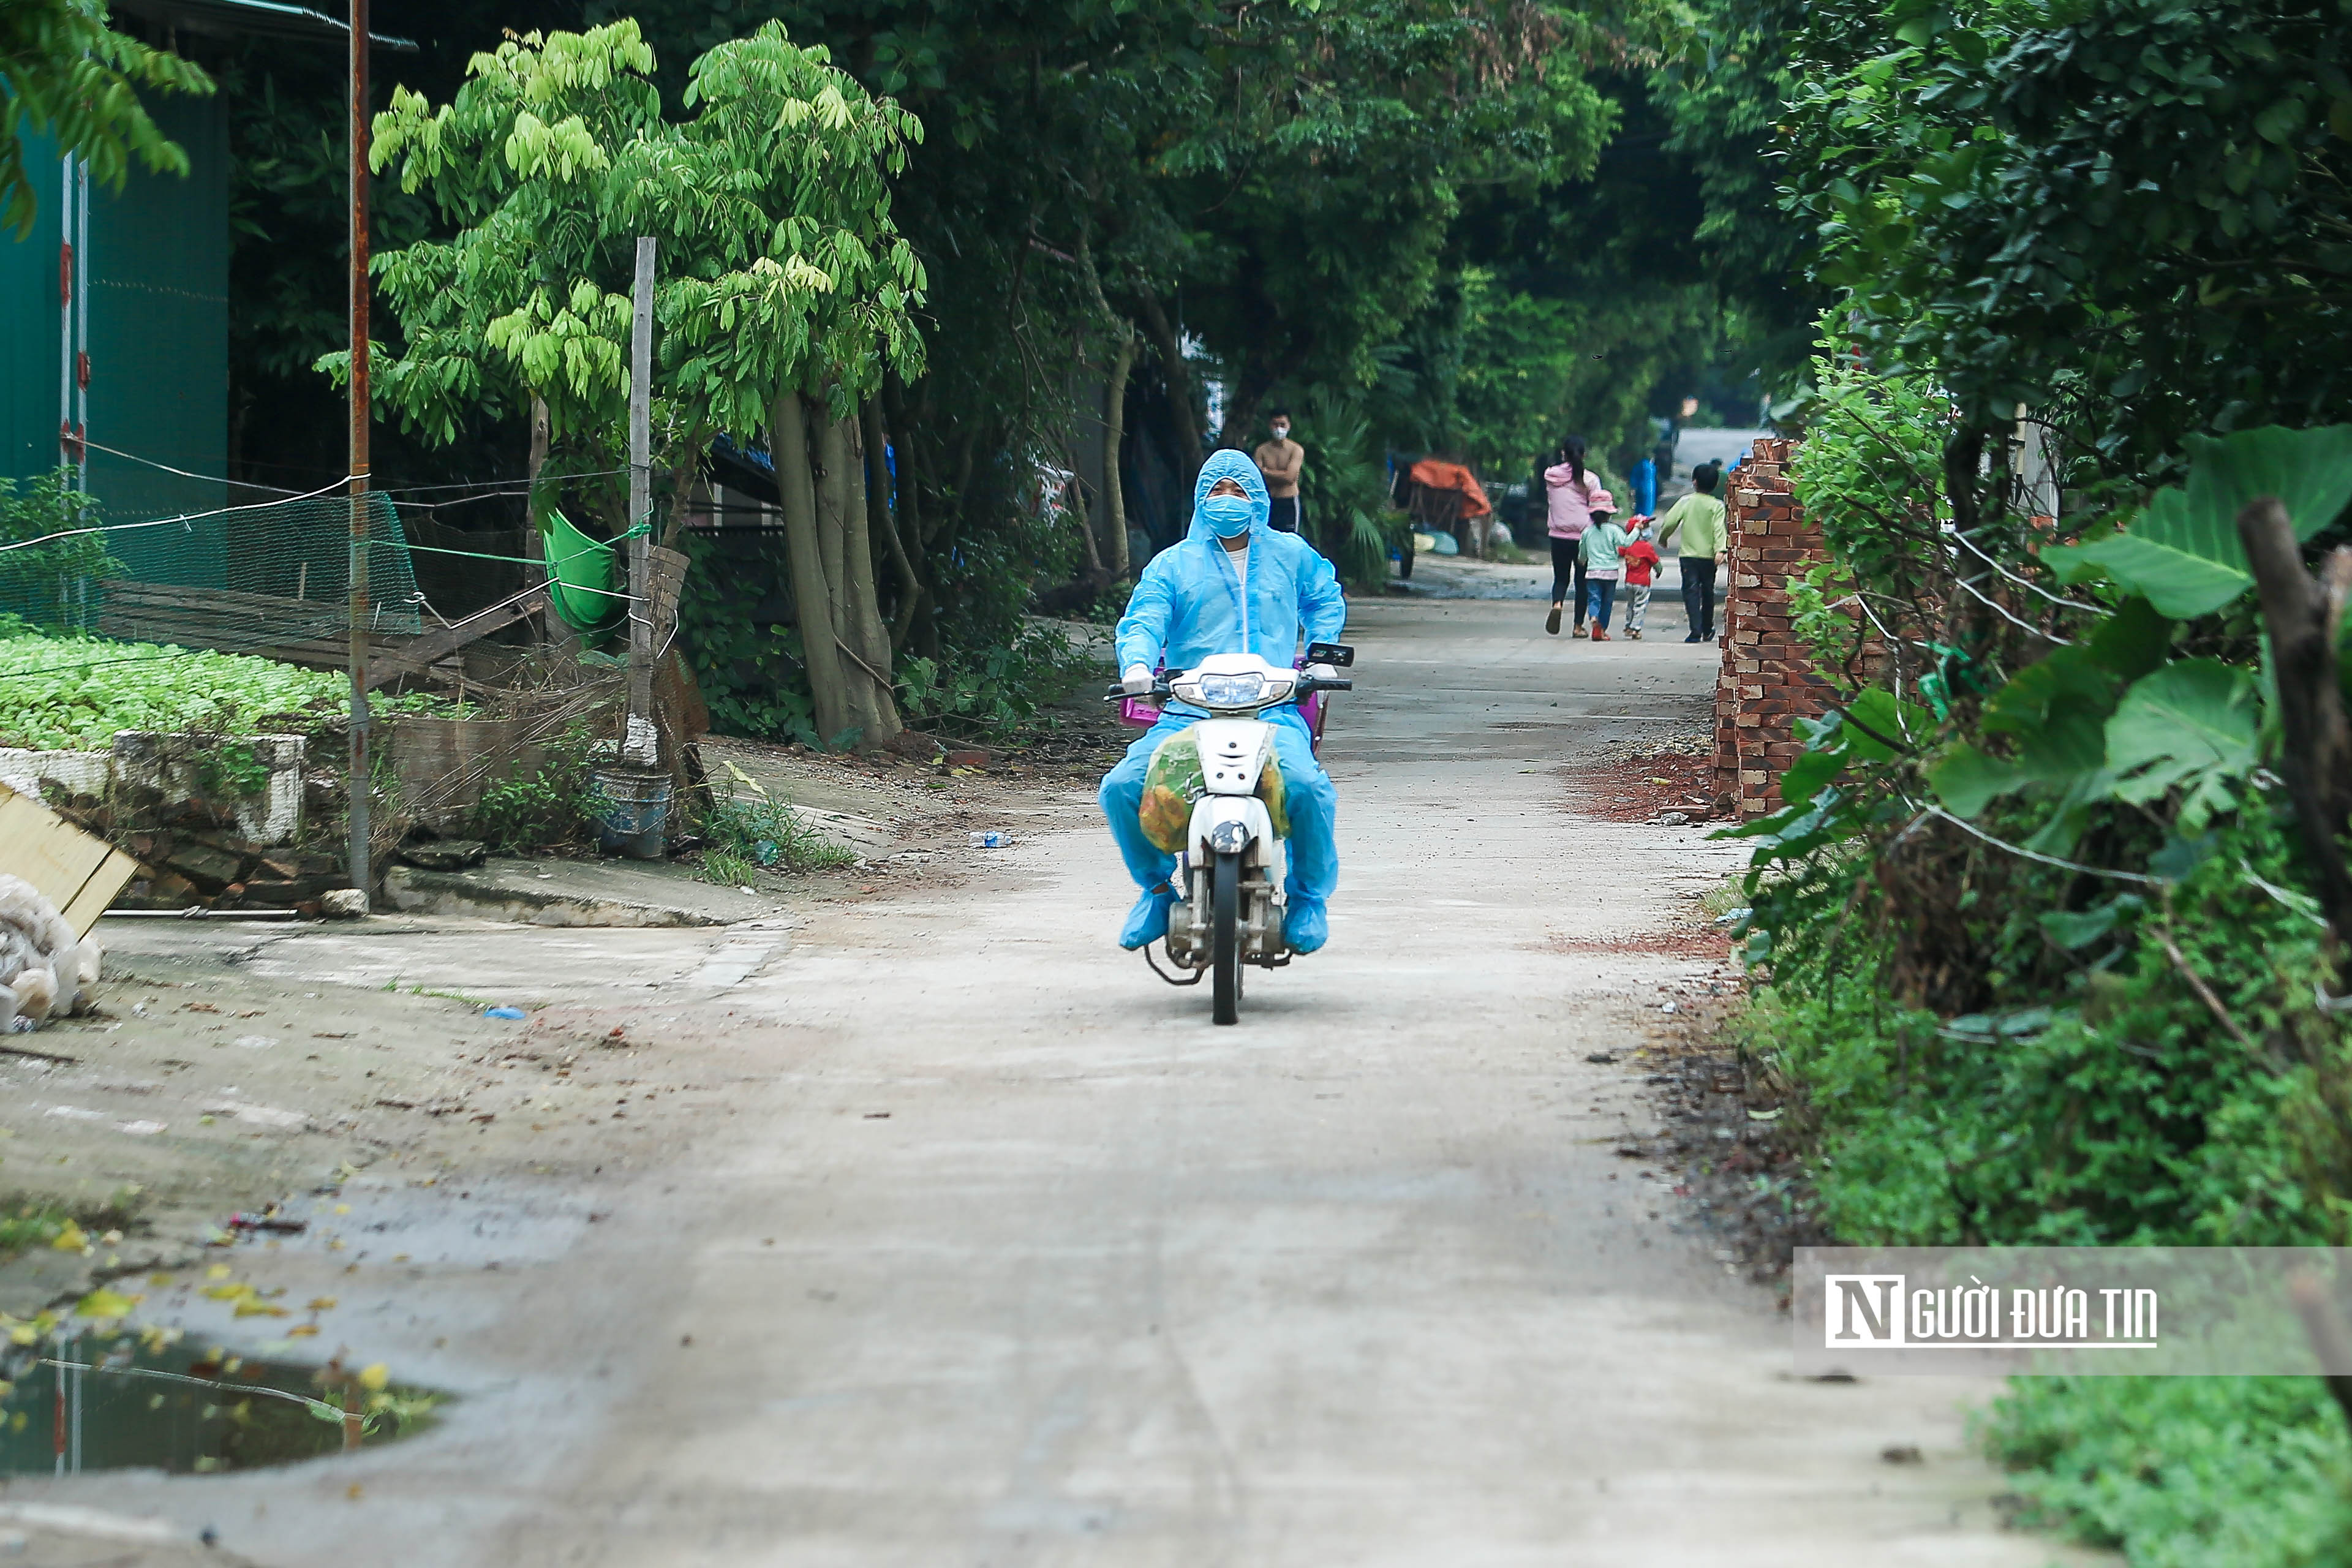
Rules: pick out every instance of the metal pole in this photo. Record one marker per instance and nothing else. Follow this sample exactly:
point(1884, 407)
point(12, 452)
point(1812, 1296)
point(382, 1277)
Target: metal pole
point(641, 747)
point(359, 451)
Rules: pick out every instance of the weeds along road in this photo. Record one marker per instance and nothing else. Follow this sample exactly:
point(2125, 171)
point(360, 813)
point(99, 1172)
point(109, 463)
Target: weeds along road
point(964, 1240)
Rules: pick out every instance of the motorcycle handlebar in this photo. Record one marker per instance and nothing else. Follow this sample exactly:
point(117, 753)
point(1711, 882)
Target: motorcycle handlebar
point(1117, 691)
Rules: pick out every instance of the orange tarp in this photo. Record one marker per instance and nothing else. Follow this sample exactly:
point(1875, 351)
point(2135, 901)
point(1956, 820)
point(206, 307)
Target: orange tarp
point(1440, 475)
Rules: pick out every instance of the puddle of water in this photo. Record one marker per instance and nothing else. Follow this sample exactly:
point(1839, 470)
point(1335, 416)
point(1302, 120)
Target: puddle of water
point(125, 1401)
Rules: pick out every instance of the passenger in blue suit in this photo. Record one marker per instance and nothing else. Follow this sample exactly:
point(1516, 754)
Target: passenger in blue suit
point(1234, 586)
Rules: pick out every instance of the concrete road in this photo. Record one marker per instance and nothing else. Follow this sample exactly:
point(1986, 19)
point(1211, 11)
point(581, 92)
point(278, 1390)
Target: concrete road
point(984, 1248)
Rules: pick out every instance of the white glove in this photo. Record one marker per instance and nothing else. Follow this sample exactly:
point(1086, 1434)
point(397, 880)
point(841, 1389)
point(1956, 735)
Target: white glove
point(1137, 678)
point(1322, 672)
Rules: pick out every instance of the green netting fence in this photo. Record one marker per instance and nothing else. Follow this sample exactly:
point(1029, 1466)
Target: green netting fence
point(130, 612)
point(272, 578)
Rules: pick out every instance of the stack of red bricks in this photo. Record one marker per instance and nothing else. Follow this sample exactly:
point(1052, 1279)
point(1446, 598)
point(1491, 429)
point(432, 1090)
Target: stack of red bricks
point(1768, 681)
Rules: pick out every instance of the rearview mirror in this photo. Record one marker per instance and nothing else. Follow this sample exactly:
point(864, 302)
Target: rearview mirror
point(1338, 654)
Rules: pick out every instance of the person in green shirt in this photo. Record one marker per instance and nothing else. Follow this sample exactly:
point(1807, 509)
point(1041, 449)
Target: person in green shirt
point(1699, 518)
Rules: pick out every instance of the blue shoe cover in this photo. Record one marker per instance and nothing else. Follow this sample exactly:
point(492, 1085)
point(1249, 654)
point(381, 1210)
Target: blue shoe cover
point(1147, 921)
point(1305, 927)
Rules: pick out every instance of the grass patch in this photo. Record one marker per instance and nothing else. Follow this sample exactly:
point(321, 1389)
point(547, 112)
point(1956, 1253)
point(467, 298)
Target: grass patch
point(28, 1224)
point(2182, 1472)
point(750, 830)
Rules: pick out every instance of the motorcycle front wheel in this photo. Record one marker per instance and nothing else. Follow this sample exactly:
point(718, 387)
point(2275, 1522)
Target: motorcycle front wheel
point(1226, 938)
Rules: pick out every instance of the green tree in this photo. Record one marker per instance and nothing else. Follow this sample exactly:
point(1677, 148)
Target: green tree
point(2132, 216)
point(784, 290)
point(63, 71)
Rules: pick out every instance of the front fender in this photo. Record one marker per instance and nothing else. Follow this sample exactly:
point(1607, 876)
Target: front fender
point(1213, 811)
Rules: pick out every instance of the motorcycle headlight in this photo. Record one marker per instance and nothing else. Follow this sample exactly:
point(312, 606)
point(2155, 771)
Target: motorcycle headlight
point(1231, 690)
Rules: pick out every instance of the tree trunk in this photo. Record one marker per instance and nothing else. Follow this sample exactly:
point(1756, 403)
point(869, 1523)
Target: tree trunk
point(812, 593)
point(1180, 379)
point(879, 492)
point(825, 449)
point(1077, 488)
point(2305, 616)
point(923, 636)
point(534, 573)
point(871, 637)
point(1114, 437)
point(1244, 393)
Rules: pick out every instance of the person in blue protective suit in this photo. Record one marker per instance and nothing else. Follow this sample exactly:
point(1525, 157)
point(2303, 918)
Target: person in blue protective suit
point(1234, 586)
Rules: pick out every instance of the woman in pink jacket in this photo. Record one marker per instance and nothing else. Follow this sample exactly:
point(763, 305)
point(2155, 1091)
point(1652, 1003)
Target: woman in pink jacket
point(1568, 489)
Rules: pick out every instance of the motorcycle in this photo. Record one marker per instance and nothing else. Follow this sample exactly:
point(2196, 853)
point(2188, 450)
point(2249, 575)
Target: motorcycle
point(1229, 905)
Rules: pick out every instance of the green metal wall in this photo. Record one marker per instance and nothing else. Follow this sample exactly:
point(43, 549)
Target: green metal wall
point(28, 329)
point(156, 266)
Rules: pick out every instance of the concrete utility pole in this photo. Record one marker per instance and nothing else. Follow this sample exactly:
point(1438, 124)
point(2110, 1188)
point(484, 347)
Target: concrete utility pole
point(359, 451)
point(641, 745)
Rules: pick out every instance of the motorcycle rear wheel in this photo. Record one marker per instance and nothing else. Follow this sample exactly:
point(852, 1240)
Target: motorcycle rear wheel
point(1226, 938)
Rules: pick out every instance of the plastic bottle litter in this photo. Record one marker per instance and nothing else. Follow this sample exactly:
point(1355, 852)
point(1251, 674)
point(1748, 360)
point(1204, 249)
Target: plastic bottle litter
point(504, 1013)
point(990, 841)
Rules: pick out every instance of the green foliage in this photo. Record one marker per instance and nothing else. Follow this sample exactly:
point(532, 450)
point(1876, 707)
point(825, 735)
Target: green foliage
point(2182, 1472)
point(748, 670)
point(1723, 94)
point(231, 770)
point(32, 1225)
point(1995, 1044)
point(552, 804)
point(62, 693)
point(747, 830)
point(779, 268)
point(2182, 552)
point(1347, 491)
point(64, 72)
point(53, 582)
point(2102, 719)
point(2125, 214)
point(993, 694)
point(2092, 1100)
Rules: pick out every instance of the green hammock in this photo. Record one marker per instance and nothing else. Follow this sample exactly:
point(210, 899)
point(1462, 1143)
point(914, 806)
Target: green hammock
point(582, 574)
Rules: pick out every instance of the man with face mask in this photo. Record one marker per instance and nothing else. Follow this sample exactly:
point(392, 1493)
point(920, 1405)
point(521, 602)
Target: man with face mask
point(1281, 461)
point(1234, 586)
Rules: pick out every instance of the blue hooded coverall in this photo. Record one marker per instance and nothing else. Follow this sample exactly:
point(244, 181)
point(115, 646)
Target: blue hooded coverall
point(1188, 605)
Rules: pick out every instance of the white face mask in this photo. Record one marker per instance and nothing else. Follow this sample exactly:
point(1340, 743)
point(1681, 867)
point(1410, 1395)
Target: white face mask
point(1282, 432)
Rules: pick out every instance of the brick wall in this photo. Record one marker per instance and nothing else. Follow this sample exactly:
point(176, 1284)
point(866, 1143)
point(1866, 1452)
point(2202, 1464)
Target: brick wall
point(1768, 681)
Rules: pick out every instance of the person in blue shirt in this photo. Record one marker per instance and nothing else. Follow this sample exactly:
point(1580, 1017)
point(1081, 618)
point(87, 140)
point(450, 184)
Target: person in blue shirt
point(1232, 585)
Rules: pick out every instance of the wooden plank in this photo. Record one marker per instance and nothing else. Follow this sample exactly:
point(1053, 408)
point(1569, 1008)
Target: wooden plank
point(267, 626)
point(79, 872)
point(410, 658)
point(99, 893)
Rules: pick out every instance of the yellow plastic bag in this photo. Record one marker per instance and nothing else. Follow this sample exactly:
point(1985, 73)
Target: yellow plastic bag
point(1174, 783)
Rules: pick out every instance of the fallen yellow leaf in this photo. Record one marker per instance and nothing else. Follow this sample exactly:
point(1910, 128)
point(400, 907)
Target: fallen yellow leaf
point(301, 1330)
point(321, 1303)
point(105, 1303)
point(70, 1239)
point(375, 1377)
